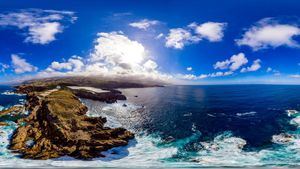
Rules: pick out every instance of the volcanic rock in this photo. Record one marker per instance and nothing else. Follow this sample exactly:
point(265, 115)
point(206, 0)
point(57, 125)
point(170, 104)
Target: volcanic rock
point(58, 126)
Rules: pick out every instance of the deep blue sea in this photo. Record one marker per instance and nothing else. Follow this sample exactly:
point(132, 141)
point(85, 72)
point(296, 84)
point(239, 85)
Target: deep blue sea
point(252, 112)
point(192, 126)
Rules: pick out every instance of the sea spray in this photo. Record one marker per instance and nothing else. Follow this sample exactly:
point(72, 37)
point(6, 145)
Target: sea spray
point(148, 149)
point(224, 150)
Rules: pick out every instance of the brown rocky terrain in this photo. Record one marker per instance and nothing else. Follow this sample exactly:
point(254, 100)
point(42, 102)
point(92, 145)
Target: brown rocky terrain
point(109, 97)
point(58, 126)
point(13, 109)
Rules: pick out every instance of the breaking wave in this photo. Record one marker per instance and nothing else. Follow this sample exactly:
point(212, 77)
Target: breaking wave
point(150, 150)
point(11, 93)
point(251, 113)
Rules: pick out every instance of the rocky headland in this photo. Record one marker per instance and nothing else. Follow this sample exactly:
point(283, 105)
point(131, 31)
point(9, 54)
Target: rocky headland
point(111, 96)
point(58, 125)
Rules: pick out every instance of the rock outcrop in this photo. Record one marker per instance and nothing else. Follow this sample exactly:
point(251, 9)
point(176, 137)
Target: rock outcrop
point(111, 96)
point(28, 88)
point(14, 109)
point(58, 126)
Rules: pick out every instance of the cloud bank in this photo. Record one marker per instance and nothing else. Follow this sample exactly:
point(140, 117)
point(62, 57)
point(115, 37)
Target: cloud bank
point(144, 24)
point(21, 65)
point(270, 33)
point(234, 63)
point(254, 67)
point(38, 26)
point(229, 67)
point(177, 38)
point(115, 56)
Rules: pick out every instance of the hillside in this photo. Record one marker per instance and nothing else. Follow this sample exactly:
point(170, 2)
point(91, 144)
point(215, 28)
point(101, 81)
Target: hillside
point(92, 81)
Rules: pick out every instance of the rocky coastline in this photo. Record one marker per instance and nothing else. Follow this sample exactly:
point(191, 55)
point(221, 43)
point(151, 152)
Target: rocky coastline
point(58, 125)
point(111, 96)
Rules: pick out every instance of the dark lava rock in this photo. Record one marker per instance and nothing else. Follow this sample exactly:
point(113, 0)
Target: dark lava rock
point(58, 126)
point(109, 97)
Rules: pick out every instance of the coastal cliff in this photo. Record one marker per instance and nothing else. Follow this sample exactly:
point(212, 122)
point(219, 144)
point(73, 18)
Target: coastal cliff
point(109, 96)
point(58, 126)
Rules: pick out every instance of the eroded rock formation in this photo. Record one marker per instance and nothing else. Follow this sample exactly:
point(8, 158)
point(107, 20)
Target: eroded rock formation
point(110, 96)
point(58, 126)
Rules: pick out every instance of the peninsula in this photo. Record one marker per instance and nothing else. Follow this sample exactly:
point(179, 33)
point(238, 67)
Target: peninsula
point(58, 125)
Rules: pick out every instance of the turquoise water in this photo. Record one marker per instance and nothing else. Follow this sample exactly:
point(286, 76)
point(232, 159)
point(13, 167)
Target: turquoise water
point(191, 126)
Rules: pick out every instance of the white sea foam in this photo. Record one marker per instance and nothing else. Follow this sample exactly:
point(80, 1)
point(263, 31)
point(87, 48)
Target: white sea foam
point(226, 150)
point(116, 114)
point(292, 112)
point(143, 151)
point(211, 115)
point(187, 114)
point(151, 151)
point(22, 101)
point(282, 138)
point(12, 93)
point(251, 113)
point(5, 134)
point(148, 151)
point(296, 121)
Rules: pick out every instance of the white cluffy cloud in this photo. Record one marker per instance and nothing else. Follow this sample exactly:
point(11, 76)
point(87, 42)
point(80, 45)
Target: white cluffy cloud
point(234, 63)
point(203, 76)
point(114, 56)
point(179, 37)
point(144, 24)
point(212, 31)
point(270, 33)
point(3, 67)
point(193, 33)
point(150, 65)
point(276, 72)
point(230, 66)
point(75, 64)
point(118, 50)
point(189, 68)
point(39, 26)
point(21, 65)
point(254, 67)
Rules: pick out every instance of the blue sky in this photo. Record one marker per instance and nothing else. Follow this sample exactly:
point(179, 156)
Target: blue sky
point(192, 42)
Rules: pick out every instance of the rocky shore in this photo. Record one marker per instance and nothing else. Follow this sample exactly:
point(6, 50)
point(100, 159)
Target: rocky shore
point(58, 125)
point(13, 109)
point(111, 96)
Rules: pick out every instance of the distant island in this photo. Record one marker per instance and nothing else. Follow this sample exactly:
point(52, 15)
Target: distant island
point(58, 125)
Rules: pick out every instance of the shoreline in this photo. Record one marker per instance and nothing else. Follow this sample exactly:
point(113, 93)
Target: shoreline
point(36, 102)
point(134, 153)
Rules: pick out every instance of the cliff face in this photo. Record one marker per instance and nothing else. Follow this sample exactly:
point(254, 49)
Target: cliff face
point(109, 97)
point(58, 126)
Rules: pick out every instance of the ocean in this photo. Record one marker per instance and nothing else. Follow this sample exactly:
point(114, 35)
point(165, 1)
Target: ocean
point(189, 126)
